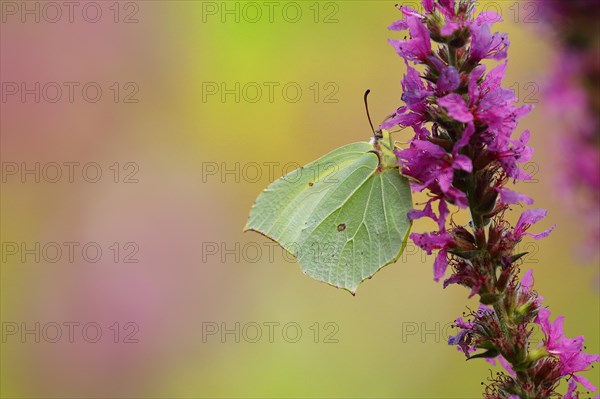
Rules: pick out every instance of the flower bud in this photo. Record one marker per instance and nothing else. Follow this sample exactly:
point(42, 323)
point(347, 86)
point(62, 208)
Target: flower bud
point(537, 353)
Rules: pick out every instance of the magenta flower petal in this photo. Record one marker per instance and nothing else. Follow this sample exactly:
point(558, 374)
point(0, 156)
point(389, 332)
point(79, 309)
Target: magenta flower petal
point(415, 214)
point(399, 25)
point(449, 80)
point(480, 44)
point(527, 280)
point(543, 234)
point(449, 28)
point(463, 162)
point(488, 17)
point(440, 265)
point(465, 138)
point(430, 241)
point(391, 122)
point(456, 107)
point(410, 12)
point(571, 390)
point(428, 5)
point(529, 218)
point(429, 148)
point(443, 212)
point(437, 63)
point(584, 381)
point(417, 48)
point(484, 44)
point(512, 197)
point(457, 197)
point(447, 8)
point(474, 89)
point(444, 179)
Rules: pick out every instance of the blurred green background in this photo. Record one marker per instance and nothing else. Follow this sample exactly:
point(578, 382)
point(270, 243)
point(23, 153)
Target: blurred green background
point(203, 104)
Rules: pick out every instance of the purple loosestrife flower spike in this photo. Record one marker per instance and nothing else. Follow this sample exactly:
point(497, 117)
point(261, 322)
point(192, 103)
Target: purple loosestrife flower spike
point(464, 151)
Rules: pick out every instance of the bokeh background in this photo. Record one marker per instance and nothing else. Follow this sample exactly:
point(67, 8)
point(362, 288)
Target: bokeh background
point(190, 162)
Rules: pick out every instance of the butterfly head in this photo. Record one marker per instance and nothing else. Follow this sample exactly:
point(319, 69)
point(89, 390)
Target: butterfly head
point(382, 143)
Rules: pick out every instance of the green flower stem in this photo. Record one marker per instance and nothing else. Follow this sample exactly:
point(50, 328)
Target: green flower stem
point(498, 305)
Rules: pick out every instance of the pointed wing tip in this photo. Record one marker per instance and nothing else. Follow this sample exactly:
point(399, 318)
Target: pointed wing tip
point(251, 226)
point(248, 227)
point(351, 290)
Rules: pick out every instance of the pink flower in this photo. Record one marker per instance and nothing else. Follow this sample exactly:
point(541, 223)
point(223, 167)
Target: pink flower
point(569, 351)
point(449, 80)
point(487, 45)
point(456, 107)
point(419, 46)
point(435, 241)
point(529, 218)
point(433, 168)
point(508, 196)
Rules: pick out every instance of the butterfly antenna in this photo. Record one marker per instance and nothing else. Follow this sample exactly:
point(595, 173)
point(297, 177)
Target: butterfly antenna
point(368, 114)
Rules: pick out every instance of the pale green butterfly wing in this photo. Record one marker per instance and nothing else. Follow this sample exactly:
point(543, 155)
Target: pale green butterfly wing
point(342, 216)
